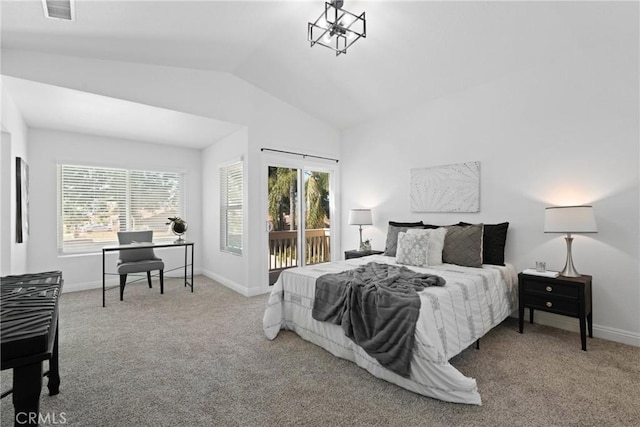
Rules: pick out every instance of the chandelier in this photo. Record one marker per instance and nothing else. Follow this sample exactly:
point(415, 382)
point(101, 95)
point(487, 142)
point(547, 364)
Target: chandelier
point(336, 28)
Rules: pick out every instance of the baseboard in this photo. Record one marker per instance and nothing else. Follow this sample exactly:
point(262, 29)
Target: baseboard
point(617, 335)
point(235, 286)
point(256, 292)
point(225, 282)
point(571, 324)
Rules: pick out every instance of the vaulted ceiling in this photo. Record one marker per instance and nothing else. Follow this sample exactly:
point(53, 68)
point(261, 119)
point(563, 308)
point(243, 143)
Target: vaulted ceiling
point(415, 51)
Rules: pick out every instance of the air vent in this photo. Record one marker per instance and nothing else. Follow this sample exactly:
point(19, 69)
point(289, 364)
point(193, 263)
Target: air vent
point(59, 9)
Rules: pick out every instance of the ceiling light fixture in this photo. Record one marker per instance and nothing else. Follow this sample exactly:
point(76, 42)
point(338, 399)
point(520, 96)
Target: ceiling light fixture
point(336, 28)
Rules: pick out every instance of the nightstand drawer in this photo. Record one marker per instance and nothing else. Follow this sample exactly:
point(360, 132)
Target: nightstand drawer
point(549, 303)
point(552, 289)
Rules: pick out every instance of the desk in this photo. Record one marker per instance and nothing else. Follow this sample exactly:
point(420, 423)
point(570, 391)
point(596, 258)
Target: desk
point(175, 244)
point(29, 306)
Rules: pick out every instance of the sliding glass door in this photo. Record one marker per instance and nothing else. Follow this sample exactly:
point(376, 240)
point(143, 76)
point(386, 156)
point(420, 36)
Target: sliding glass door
point(317, 224)
point(298, 218)
point(283, 220)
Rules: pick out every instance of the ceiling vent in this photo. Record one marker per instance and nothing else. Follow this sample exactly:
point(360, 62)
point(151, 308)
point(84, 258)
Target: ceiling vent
point(59, 9)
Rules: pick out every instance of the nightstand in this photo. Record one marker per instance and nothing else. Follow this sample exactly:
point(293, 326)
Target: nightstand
point(357, 254)
point(569, 296)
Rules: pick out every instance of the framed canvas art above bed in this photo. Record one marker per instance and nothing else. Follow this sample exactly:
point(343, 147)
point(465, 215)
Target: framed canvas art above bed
point(447, 188)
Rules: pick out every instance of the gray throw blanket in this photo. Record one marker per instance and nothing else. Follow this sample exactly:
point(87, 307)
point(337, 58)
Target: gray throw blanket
point(377, 306)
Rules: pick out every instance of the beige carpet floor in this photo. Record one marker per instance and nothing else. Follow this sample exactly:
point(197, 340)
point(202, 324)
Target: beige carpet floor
point(201, 359)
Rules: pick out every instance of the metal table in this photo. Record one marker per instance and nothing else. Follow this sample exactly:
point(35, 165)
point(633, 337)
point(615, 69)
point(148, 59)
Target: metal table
point(188, 280)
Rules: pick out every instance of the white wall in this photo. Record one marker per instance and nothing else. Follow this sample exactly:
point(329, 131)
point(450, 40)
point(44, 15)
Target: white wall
point(566, 133)
point(14, 144)
point(227, 268)
point(5, 204)
point(50, 147)
point(271, 123)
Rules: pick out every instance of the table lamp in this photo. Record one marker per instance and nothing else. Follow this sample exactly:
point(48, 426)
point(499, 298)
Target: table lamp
point(360, 217)
point(569, 219)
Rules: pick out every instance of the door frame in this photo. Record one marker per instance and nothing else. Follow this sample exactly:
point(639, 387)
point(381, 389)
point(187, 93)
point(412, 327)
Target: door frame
point(303, 163)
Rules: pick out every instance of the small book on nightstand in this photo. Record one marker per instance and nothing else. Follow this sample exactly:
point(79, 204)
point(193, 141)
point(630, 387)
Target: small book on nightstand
point(534, 272)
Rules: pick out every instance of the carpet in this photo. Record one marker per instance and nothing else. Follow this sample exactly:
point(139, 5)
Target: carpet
point(201, 359)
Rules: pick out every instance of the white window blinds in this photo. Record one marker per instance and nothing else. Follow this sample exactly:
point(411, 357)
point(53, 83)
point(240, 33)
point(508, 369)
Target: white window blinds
point(94, 203)
point(231, 191)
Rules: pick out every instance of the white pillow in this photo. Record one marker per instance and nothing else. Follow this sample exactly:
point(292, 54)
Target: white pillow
point(436, 242)
point(412, 249)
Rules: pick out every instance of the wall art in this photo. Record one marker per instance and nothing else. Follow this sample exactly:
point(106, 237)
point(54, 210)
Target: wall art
point(447, 188)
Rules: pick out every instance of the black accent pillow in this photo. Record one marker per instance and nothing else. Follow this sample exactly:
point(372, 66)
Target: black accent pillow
point(494, 241)
point(432, 226)
point(392, 235)
point(406, 224)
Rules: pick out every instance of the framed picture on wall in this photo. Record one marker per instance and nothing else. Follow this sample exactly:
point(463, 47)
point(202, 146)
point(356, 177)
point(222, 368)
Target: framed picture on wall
point(447, 188)
point(22, 199)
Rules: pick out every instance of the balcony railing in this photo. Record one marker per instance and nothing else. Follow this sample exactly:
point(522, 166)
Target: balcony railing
point(283, 249)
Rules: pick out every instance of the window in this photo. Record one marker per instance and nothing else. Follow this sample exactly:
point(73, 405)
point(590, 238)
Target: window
point(95, 203)
point(231, 207)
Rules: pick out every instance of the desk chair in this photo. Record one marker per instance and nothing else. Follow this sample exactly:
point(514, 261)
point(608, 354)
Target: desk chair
point(138, 260)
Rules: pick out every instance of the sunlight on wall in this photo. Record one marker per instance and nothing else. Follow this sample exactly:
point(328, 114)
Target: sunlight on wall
point(369, 198)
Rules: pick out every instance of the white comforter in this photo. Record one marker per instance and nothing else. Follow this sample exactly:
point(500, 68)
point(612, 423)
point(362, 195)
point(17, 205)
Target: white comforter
point(452, 317)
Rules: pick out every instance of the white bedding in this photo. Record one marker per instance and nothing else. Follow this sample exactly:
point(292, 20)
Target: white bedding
point(452, 317)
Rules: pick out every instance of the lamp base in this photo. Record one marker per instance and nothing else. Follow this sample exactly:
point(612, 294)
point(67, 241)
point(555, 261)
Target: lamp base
point(569, 270)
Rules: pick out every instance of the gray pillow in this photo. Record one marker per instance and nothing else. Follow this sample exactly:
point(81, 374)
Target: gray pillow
point(392, 238)
point(463, 245)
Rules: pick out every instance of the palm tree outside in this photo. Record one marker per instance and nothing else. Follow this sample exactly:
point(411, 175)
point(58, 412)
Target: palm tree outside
point(283, 201)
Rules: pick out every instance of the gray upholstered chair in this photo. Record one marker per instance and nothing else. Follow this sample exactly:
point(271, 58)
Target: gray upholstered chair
point(138, 260)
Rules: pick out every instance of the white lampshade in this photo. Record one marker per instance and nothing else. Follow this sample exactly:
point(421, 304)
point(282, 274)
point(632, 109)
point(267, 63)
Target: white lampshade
point(570, 219)
point(360, 217)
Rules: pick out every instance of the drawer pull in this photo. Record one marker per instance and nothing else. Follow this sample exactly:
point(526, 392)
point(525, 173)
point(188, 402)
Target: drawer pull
point(549, 288)
point(549, 304)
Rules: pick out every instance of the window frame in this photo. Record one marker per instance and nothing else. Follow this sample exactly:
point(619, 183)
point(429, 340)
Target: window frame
point(96, 246)
point(226, 170)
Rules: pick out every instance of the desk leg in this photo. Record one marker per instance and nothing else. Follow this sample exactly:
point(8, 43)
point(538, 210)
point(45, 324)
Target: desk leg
point(54, 369)
point(27, 382)
point(185, 266)
point(103, 284)
point(192, 261)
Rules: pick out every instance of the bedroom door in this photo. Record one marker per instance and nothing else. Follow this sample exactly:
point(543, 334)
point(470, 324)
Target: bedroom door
point(298, 218)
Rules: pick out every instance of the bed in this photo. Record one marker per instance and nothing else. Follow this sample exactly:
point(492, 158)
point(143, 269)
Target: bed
point(451, 318)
